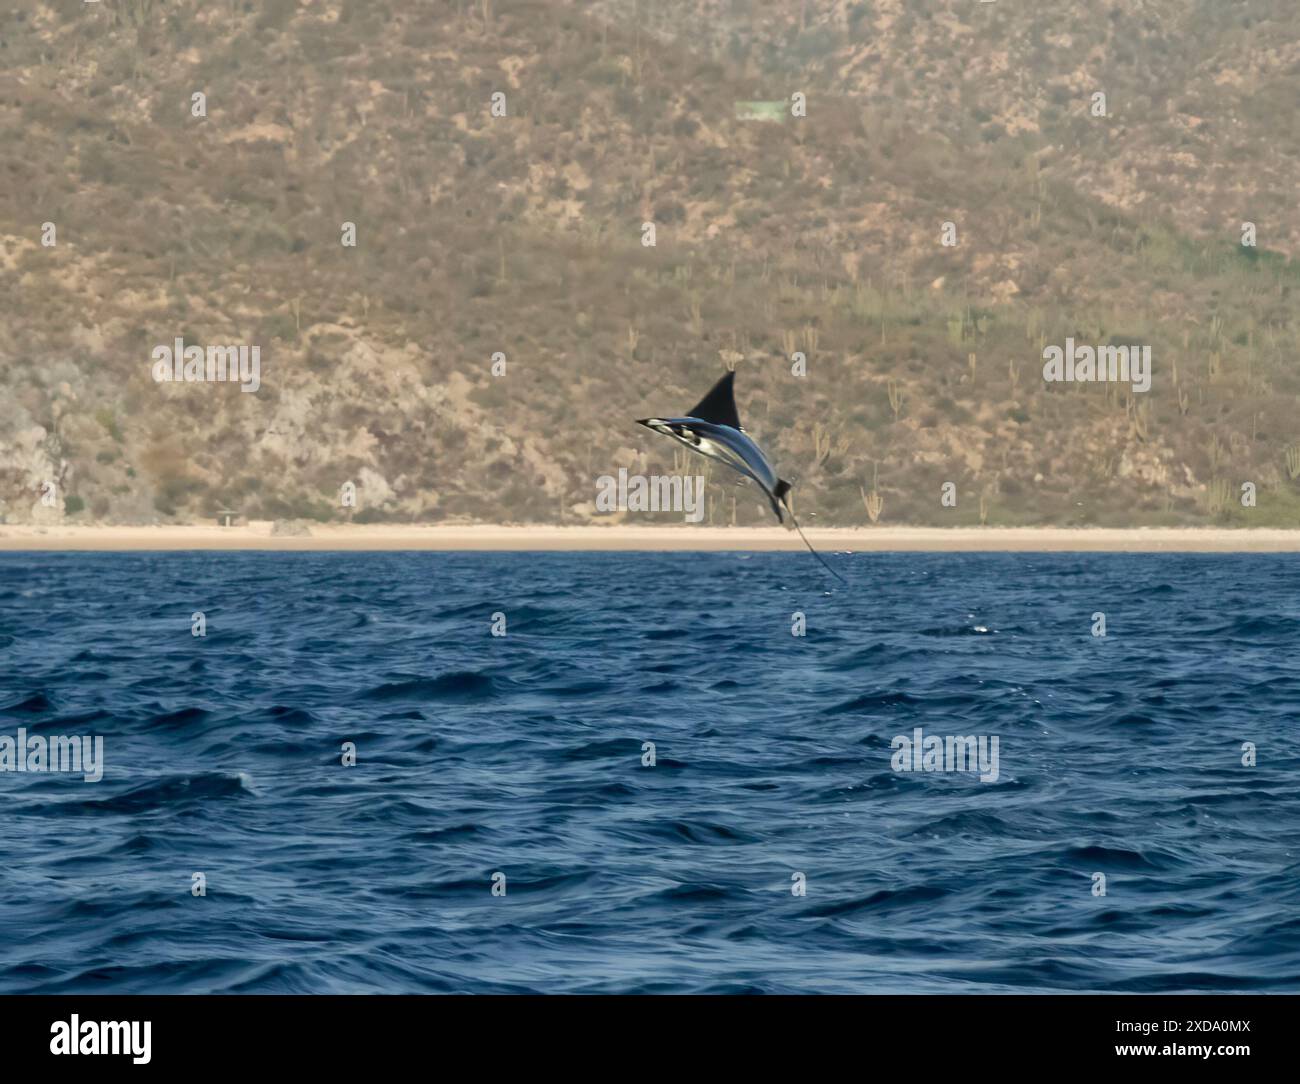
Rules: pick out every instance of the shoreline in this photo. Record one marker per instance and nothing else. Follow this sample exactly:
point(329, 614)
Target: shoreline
point(259, 535)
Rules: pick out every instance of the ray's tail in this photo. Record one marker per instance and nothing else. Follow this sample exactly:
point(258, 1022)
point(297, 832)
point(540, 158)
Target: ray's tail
point(783, 488)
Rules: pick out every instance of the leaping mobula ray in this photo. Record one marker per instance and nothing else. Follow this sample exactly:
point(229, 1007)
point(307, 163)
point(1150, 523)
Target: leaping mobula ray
point(713, 429)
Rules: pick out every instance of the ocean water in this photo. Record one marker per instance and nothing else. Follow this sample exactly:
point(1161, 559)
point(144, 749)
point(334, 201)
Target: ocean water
point(522, 755)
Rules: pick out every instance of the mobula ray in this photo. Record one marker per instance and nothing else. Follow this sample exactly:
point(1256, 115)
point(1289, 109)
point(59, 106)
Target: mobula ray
point(713, 429)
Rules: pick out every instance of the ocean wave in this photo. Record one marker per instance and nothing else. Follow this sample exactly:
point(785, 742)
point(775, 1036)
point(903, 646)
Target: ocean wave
point(645, 789)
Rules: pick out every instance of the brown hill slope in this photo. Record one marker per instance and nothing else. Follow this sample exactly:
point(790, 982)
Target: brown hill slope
point(522, 234)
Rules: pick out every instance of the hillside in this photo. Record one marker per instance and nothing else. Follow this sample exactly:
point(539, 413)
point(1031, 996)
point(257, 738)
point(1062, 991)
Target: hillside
point(522, 234)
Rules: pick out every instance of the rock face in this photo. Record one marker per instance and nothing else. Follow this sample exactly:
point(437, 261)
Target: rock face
point(457, 312)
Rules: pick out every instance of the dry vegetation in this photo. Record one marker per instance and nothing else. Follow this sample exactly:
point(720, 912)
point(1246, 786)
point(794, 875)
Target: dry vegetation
point(522, 235)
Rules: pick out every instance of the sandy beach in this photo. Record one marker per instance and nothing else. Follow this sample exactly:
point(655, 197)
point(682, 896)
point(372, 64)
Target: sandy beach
point(260, 535)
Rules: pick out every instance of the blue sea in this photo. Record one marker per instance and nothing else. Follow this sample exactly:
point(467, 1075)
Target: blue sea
point(648, 783)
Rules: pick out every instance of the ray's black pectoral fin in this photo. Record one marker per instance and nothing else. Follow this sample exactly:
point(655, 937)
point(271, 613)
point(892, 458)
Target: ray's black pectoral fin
point(779, 500)
point(719, 406)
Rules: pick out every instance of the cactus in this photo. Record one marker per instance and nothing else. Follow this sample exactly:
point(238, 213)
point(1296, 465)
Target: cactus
point(137, 12)
point(633, 337)
point(821, 442)
point(1182, 401)
point(1142, 422)
point(1293, 461)
point(1217, 497)
point(895, 398)
point(1215, 451)
point(873, 501)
